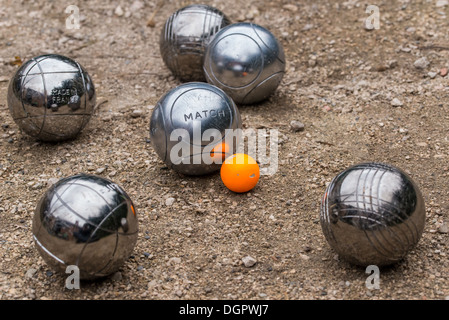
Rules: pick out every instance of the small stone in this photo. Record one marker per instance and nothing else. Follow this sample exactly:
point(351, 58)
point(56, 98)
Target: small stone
point(48, 273)
point(174, 260)
point(118, 11)
point(443, 72)
point(117, 276)
point(421, 144)
point(304, 257)
point(30, 273)
point(100, 170)
point(307, 27)
point(249, 261)
point(442, 3)
point(444, 228)
point(296, 126)
point(326, 108)
point(169, 201)
point(290, 7)
point(178, 293)
point(432, 74)
point(396, 102)
point(136, 113)
point(136, 6)
point(52, 181)
point(421, 63)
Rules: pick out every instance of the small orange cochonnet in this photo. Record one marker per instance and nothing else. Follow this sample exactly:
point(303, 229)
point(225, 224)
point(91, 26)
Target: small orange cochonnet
point(240, 173)
point(220, 152)
point(133, 210)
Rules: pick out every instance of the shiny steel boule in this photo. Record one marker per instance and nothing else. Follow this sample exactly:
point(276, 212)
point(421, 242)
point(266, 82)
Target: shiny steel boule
point(246, 61)
point(185, 36)
point(183, 118)
point(87, 221)
point(372, 214)
point(51, 97)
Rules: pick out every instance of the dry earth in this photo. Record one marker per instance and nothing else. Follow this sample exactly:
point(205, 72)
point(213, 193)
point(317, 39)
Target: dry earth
point(359, 94)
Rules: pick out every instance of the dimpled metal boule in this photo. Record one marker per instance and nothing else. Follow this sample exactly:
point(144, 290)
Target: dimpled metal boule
point(185, 36)
point(246, 61)
point(87, 221)
point(192, 109)
point(372, 214)
point(51, 98)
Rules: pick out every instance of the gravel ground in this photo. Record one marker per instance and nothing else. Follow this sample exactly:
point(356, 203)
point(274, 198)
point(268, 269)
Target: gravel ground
point(362, 96)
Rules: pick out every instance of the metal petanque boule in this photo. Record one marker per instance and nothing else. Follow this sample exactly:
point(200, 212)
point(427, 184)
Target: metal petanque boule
point(372, 214)
point(185, 36)
point(246, 61)
point(184, 122)
point(51, 98)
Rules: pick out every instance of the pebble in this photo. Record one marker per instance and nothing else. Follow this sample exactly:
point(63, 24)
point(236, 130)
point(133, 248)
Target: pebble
point(169, 201)
point(443, 72)
point(30, 273)
point(178, 293)
point(52, 181)
point(174, 260)
point(396, 102)
point(136, 6)
point(249, 261)
point(421, 144)
point(442, 3)
point(100, 170)
point(117, 276)
point(421, 63)
point(444, 228)
point(432, 74)
point(296, 126)
point(304, 257)
point(136, 113)
point(290, 7)
point(118, 11)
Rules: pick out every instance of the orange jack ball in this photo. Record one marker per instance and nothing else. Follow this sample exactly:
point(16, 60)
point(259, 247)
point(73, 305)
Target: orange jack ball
point(240, 172)
point(220, 152)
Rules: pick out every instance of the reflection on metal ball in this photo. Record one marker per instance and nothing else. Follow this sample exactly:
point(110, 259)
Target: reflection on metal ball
point(51, 98)
point(246, 61)
point(185, 36)
point(87, 221)
point(189, 121)
point(372, 214)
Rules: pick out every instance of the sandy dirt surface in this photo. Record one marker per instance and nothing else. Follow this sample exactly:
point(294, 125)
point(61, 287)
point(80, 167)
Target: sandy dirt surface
point(360, 94)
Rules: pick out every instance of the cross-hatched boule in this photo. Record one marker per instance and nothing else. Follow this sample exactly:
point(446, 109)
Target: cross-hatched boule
point(51, 97)
point(372, 214)
point(87, 221)
point(246, 61)
point(184, 39)
point(191, 120)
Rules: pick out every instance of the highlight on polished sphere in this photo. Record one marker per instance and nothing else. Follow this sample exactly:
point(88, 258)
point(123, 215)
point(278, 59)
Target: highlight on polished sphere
point(184, 39)
point(87, 221)
point(246, 61)
point(51, 97)
point(372, 214)
point(193, 126)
